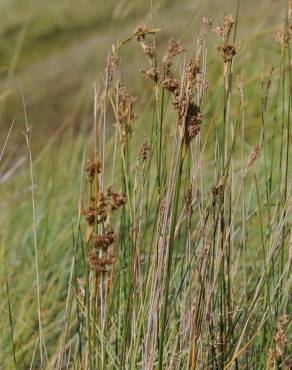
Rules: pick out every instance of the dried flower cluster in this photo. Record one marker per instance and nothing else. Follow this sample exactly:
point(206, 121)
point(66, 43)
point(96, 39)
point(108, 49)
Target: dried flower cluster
point(101, 209)
point(174, 48)
point(169, 82)
point(150, 52)
point(144, 151)
point(226, 49)
point(125, 113)
point(98, 217)
point(99, 264)
point(279, 352)
point(254, 155)
point(189, 202)
point(152, 74)
point(92, 168)
point(217, 189)
point(188, 112)
point(111, 66)
point(206, 24)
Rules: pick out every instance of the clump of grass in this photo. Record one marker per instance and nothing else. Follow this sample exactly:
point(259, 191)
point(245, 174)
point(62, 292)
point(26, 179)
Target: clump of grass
point(201, 255)
point(186, 263)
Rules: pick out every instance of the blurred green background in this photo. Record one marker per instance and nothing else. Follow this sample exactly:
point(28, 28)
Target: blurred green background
point(54, 50)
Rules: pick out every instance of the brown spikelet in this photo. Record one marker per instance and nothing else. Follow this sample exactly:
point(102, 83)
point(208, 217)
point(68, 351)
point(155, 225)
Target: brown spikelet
point(152, 74)
point(170, 84)
point(111, 66)
point(192, 69)
point(144, 151)
point(227, 49)
point(125, 111)
point(280, 351)
point(206, 24)
point(254, 155)
point(140, 32)
point(149, 50)
point(92, 168)
point(224, 30)
point(193, 122)
point(103, 241)
point(116, 200)
point(174, 48)
point(99, 264)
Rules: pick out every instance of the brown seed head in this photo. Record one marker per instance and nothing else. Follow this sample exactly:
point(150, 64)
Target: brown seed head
point(170, 84)
point(206, 24)
point(92, 168)
point(116, 200)
point(111, 65)
point(192, 69)
point(103, 241)
point(254, 155)
point(125, 113)
point(99, 264)
point(227, 51)
point(140, 32)
point(224, 30)
point(193, 122)
point(149, 50)
point(144, 151)
point(189, 201)
point(152, 74)
point(174, 48)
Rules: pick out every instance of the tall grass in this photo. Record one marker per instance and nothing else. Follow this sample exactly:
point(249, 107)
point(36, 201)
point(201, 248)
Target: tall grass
point(181, 254)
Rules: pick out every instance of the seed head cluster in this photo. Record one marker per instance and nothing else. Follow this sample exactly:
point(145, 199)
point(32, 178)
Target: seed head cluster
point(98, 217)
point(111, 66)
point(226, 49)
point(279, 352)
point(93, 167)
point(149, 51)
point(188, 112)
point(125, 111)
point(254, 156)
point(144, 151)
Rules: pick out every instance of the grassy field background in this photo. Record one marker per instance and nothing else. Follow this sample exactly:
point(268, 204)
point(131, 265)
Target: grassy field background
point(54, 51)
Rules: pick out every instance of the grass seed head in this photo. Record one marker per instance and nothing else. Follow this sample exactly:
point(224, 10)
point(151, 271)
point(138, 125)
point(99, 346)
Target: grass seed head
point(111, 66)
point(144, 151)
point(227, 49)
point(105, 240)
point(152, 74)
point(254, 156)
point(174, 48)
point(192, 70)
point(206, 24)
point(99, 264)
point(92, 168)
point(125, 111)
point(171, 84)
point(140, 32)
